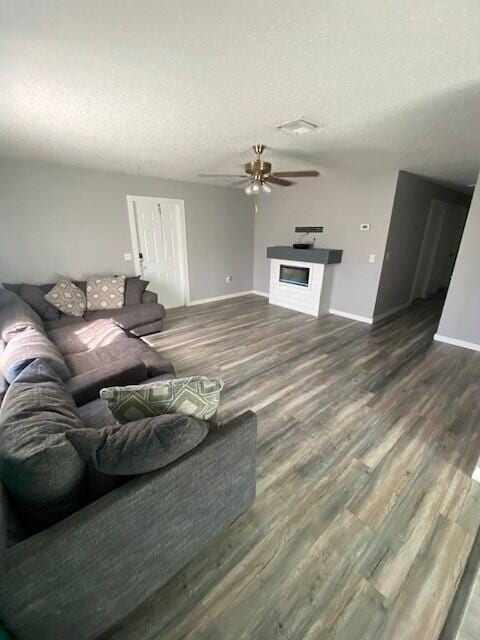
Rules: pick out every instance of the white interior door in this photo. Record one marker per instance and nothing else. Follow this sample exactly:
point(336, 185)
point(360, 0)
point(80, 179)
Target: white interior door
point(160, 247)
point(422, 285)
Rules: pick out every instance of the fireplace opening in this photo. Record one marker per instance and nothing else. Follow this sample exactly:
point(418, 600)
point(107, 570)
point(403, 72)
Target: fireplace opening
point(294, 275)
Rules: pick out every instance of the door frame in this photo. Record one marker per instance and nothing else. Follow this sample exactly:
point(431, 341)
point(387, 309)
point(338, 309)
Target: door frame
point(183, 246)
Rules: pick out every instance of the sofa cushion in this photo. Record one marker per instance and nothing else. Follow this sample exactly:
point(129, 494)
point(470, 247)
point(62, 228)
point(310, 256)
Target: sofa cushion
point(134, 288)
point(64, 321)
point(35, 297)
point(67, 297)
point(195, 396)
point(41, 469)
point(146, 329)
point(105, 292)
point(130, 317)
point(16, 315)
point(119, 350)
point(96, 414)
point(78, 338)
point(140, 446)
point(24, 347)
point(86, 386)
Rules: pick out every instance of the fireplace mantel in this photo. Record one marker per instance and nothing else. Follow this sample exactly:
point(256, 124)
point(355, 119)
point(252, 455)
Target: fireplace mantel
point(319, 256)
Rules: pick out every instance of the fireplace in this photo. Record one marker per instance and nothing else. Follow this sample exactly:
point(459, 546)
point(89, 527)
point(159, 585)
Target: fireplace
point(299, 276)
point(302, 279)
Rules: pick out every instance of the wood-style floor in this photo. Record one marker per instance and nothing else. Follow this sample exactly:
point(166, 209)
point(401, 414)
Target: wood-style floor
point(365, 513)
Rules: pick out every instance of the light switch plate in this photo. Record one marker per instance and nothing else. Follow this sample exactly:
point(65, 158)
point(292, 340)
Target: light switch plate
point(372, 257)
point(364, 226)
point(127, 257)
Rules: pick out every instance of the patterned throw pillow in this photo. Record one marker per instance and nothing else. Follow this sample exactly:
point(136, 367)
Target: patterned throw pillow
point(195, 396)
point(105, 292)
point(67, 297)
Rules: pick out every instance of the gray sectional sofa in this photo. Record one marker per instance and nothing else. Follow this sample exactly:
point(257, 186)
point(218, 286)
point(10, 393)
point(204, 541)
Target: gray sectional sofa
point(76, 568)
point(141, 315)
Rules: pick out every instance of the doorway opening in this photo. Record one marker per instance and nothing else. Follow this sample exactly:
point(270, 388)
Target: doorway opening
point(425, 231)
point(439, 249)
point(159, 244)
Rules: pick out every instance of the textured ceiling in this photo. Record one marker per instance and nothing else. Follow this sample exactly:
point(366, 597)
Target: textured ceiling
point(178, 88)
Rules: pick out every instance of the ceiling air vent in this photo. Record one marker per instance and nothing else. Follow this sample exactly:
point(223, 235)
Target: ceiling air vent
point(297, 127)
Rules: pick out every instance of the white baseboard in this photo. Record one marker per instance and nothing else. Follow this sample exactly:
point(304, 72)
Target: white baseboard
point(390, 312)
point(217, 298)
point(351, 316)
point(260, 293)
point(457, 343)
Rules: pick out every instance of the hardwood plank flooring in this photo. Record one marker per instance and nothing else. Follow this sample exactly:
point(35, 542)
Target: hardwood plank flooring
point(365, 513)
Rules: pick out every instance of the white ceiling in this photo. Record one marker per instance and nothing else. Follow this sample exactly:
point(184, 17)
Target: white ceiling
point(179, 88)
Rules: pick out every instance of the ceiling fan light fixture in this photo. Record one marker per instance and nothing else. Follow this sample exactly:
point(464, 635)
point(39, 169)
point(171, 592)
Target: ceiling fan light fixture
point(266, 188)
point(249, 189)
point(297, 127)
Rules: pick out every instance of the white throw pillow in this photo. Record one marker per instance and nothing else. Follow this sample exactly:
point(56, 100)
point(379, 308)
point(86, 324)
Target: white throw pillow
point(105, 292)
point(67, 297)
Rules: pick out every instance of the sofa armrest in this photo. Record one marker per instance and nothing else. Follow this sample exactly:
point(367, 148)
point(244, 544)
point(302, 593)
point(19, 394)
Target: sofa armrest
point(85, 387)
point(149, 296)
point(87, 572)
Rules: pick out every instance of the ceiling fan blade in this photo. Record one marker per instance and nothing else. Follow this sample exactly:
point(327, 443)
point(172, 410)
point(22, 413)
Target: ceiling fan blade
point(239, 182)
point(296, 174)
point(280, 181)
point(221, 175)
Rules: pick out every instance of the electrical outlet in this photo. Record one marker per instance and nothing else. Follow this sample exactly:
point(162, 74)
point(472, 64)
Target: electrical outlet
point(228, 279)
point(372, 257)
point(127, 257)
point(364, 227)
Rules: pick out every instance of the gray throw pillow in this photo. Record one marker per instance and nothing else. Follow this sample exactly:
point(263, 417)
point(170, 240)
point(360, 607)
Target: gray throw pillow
point(134, 288)
point(41, 469)
point(140, 446)
point(67, 297)
point(195, 396)
point(35, 297)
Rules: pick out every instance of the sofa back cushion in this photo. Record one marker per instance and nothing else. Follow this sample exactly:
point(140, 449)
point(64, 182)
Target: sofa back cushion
point(39, 466)
point(134, 288)
point(16, 315)
point(26, 346)
point(35, 297)
point(140, 446)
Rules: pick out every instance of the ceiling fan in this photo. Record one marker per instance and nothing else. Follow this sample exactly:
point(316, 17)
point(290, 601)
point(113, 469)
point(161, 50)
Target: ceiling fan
point(258, 174)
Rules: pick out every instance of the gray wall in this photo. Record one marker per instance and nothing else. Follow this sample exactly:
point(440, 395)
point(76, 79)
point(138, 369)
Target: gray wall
point(340, 203)
point(461, 314)
point(58, 219)
point(413, 197)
